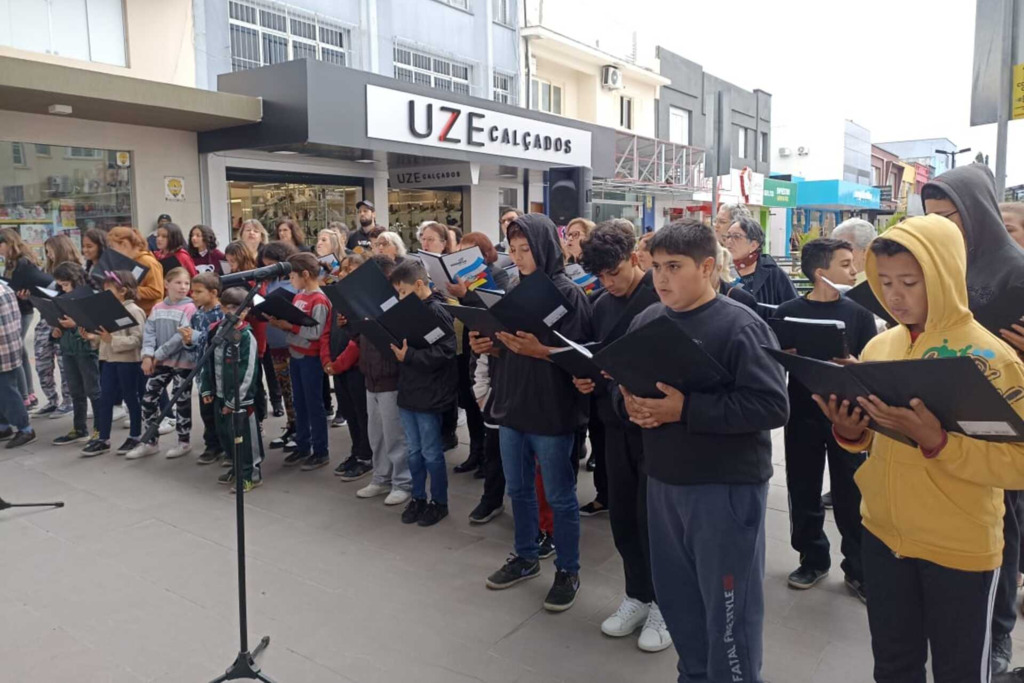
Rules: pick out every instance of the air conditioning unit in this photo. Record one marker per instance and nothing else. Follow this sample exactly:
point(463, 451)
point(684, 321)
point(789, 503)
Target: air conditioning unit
point(611, 78)
point(785, 152)
point(803, 151)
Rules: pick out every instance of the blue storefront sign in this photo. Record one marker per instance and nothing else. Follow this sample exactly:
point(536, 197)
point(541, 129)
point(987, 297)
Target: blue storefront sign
point(837, 194)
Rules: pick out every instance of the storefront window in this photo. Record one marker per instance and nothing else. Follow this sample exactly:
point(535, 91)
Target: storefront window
point(628, 205)
point(313, 206)
point(408, 208)
point(50, 189)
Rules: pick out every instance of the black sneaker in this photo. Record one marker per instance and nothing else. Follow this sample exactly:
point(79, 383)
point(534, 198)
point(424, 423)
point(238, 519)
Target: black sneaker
point(227, 478)
point(515, 570)
point(74, 436)
point(6, 434)
point(95, 447)
point(208, 457)
point(826, 500)
point(21, 439)
point(345, 464)
point(451, 441)
point(434, 513)
point(563, 592)
point(280, 441)
point(227, 461)
point(546, 543)
point(356, 471)
point(484, 513)
point(1002, 653)
point(591, 464)
point(295, 458)
point(278, 410)
point(315, 462)
point(291, 446)
point(857, 588)
point(414, 511)
point(593, 509)
point(45, 411)
point(129, 444)
point(804, 577)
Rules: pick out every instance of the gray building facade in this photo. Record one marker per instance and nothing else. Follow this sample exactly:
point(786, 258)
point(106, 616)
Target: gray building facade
point(468, 47)
point(685, 104)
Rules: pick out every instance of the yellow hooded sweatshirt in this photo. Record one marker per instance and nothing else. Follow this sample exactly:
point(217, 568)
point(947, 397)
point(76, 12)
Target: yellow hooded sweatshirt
point(949, 509)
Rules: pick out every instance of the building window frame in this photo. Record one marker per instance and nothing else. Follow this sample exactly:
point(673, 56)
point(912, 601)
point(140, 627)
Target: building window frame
point(461, 5)
point(678, 113)
point(540, 87)
point(741, 151)
point(18, 156)
point(504, 13)
point(432, 70)
point(267, 25)
point(627, 112)
point(504, 87)
point(765, 155)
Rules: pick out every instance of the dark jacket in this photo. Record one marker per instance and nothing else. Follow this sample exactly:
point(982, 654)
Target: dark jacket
point(536, 396)
point(380, 370)
point(428, 379)
point(768, 283)
point(724, 435)
point(994, 261)
point(739, 294)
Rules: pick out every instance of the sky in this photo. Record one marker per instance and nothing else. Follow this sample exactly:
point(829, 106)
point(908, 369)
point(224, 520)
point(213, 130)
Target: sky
point(901, 68)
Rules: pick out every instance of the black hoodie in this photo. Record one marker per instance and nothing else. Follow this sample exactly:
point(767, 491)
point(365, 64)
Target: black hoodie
point(994, 261)
point(536, 396)
point(428, 379)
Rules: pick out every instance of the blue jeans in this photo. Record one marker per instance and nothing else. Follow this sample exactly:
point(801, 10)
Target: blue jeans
point(119, 382)
point(12, 405)
point(307, 394)
point(554, 454)
point(426, 454)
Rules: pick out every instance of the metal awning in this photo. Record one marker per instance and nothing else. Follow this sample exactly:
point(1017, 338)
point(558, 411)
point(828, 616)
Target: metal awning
point(33, 87)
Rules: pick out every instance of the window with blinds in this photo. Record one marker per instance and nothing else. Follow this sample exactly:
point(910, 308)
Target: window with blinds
point(417, 66)
point(264, 33)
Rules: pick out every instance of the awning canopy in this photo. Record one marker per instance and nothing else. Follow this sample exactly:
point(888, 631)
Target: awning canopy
point(33, 87)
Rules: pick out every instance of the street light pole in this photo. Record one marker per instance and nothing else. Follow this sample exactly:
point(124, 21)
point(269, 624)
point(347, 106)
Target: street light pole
point(952, 155)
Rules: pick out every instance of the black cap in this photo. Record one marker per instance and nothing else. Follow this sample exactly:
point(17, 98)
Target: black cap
point(368, 204)
point(164, 216)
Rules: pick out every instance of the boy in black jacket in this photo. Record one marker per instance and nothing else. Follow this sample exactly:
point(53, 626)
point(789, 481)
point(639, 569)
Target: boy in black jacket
point(538, 411)
point(709, 457)
point(427, 386)
point(608, 253)
point(809, 437)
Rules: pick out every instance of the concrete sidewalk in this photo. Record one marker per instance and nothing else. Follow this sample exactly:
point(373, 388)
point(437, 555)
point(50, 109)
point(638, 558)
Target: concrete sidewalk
point(135, 581)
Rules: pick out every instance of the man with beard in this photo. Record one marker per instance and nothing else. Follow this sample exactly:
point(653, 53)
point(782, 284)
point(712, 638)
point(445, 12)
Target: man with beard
point(360, 240)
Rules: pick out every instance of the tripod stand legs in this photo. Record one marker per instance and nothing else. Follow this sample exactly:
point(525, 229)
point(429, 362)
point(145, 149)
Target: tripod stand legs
point(245, 667)
point(4, 505)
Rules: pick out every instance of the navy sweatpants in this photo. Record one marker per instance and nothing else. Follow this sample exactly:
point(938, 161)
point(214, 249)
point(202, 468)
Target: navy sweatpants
point(707, 561)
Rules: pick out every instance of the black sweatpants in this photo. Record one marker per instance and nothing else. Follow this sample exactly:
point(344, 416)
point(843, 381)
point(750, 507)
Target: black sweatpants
point(915, 603)
point(474, 416)
point(211, 437)
point(246, 427)
point(350, 390)
point(494, 475)
point(1004, 614)
point(627, 507)
point(273, 387)
point(808, 442)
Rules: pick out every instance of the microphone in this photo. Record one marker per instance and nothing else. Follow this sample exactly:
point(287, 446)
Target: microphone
point(259, 274)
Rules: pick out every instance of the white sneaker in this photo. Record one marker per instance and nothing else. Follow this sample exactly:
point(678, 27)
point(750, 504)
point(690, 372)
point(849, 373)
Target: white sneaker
point(372, 491)
point(655, 636)
point(119, 414)
point(462, 418)
point(142, 450)
point(627, 618)
point(166, 426)
point(182, 449)
point(397, 497)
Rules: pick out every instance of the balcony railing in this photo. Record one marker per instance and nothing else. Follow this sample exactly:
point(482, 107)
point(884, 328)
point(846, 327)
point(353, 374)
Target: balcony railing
point(647, 161)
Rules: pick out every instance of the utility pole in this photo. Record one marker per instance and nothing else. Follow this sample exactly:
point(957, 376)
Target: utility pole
point(1005, 92)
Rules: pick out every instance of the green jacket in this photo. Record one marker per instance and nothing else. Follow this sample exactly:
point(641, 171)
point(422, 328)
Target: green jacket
point(72, 344)
point(217, 379)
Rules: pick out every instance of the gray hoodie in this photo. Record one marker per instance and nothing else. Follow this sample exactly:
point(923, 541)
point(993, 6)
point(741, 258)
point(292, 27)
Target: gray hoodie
point(994, 261)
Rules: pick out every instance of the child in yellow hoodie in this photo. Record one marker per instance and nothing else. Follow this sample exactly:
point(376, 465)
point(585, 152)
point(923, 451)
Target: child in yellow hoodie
point(933, 515)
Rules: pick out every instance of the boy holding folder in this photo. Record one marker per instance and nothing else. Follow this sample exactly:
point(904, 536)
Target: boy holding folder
point(708, 458)
point(932, 513)
point(809, 438)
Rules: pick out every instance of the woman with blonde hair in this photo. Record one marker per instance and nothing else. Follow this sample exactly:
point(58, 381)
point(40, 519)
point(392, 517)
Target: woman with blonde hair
point(330, 251)
point(254, 236)
point(16, 254)
point(129, 242)
point(577, 230)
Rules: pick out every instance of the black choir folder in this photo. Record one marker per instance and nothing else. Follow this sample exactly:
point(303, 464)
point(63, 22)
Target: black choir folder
point(578, 359)
point(94, 311)
point(864, 296)
point(278, 304)
point(821, 339)
point(113, 260)
point(660, 351)
point(1004, 310)
point(363, 293)
point(954, 389)
point(535, 306)
point(409, 320)
point(27, 275)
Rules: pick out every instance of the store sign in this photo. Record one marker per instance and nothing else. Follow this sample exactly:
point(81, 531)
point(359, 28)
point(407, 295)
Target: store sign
point(174, 188)
point(884, 192)
point(431, 122)
point(779, 193)
point(446, 175)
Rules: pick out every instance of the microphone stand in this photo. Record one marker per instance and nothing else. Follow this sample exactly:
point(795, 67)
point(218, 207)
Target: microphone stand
point(228, 336)
point(4, 505)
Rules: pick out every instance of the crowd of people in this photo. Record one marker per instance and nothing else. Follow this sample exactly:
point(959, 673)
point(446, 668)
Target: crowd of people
point(930, 540)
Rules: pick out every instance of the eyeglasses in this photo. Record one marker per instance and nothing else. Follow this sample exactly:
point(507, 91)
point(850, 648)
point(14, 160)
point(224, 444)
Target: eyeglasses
point(574, 235)
point(730, 236)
